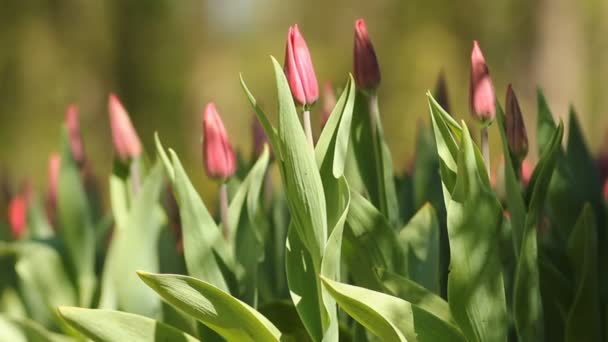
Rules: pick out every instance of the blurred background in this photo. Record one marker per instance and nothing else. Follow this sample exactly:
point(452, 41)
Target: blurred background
point(166, 59)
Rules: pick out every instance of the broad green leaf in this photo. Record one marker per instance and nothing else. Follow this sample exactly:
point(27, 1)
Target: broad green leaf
point(390, 318)
point(204, 245)
point(138, 230)
point(557, 294)
point(226, 315)
point(112, 326)
point(284, 316)
point(32, 330)
point(43, 288)
point(584, 314)
point(545, 125)
point(37, 225)
point(527, 303)
point(475, 284)
point(76, 224)
point(416, 294)
point(11, 332)
point(515, 201)
point(299, 171)
point(420, 240)
point(369, 242)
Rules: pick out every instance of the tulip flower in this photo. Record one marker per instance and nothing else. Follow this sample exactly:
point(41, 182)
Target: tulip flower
point(125, 139)
point(366, 69)
point(74, 136)
point(481, 92)
point(259, 137)
point(606, 190)
point(527, 169)
point(17, 216)
point(218, 155)
point(329, 102)
point(517, 138)
point(53, 187)
point(299, 69)
point(441, 92)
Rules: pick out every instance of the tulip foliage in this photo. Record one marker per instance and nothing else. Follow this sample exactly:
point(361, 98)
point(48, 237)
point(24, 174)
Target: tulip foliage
point(343, 248)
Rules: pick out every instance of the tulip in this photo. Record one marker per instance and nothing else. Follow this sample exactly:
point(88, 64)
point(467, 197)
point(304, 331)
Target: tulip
point(366, 69)
point(17, 216)
point(517, 139)
point(441, 93)
point(481, 92)
point(606, 190)
point(217, 151)
point(329, 102)
point(74, 136)
point(259, 137)
point(53, 187)
point(125, 139)
point(299, 69)
point(527, 169)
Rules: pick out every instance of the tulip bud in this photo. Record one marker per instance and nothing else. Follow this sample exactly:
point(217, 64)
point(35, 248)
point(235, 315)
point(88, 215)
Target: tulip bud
point(259, 137)
point(366, 69)
point(329, 102)
point(299, 70)
point(217, 151)
point(74, 136)
point(17, 216)
point(481, 92)
point(606, 190)
point(53, 187)
point(527, 169)
point(517, 139)
point(125, 139)
point(441, 92)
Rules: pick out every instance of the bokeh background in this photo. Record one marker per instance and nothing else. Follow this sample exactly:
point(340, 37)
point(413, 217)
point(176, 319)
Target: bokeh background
point(166, 59)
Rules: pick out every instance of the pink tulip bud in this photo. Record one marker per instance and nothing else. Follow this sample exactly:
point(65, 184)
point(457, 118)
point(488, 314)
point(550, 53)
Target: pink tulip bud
point(125, 139)
point(53, 187)
point(329, 102)
point(482, 98)
point(217, 151)
point(527, 169)
point(17, 216)
point(367, 71)
point(75, 138)
point(299, 70)
point(517, 138)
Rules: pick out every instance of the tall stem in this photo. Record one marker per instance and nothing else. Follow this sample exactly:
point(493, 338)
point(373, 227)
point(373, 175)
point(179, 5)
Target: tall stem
point(134, 170)
point(377, 148)
point(485, 147)
point(224, 211)
point(307, 127)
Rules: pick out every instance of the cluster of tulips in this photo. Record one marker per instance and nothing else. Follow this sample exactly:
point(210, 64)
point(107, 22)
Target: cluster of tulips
point(342, 249)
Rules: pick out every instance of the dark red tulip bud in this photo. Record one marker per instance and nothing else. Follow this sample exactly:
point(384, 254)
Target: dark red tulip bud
point(329, 102)
point(299, 70)
point(606, 190)
point(482, 97)
point(259, 137)
point(217, 152)
point(517, 138)
point(73, 126)
point(367, 71)
point(17, 216)
point(53, 187)
point(441, 92)
point(125, 139)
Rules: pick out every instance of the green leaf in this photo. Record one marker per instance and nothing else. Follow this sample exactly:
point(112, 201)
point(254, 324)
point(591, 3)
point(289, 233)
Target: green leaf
point(299, 171)
point(137, 229)
point(76, 224)
point(284, 315)
point(475, 284)
point(527, 303)
point(390, 318)
point(202, 238)
point(584, 313)
point(420, 239)
point(111, 326)
point(545, 125)
point(226, 315)
point(30, 329)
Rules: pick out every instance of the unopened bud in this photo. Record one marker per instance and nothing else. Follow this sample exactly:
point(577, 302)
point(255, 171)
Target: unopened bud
point(299, 70)
point(517, 138)
point(366, 69)
point(481, 93)
point(125, 139)
point(218, 155)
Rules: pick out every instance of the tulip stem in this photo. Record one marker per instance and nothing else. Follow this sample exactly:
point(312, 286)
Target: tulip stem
point(374, 116)
point(224, 211)
point(134, 169)
point(307, 127)
point(485, 147)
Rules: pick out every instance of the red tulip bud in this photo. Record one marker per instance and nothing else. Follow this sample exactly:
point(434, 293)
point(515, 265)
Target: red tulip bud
point(367, 71)
point(517, 138)
point(299, 70)
point(259, 137)
point(527, 169)
point(606, 190)
point(217, 151)
point(125, 139)
point(75, 138)
point(53, 187)
point(17, 216)
point(329, 102)
point(441, 93)
point(482, 98)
